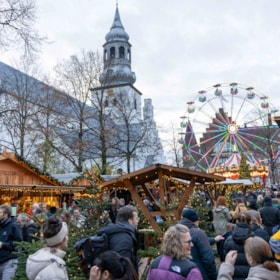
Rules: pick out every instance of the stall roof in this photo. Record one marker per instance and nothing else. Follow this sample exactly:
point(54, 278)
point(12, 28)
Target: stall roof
point(43, 187)
point(19, 174)
point(245, 182)
point(152, 172)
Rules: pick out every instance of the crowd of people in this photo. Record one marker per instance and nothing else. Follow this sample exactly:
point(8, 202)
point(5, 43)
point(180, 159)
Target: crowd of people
point(247, 238)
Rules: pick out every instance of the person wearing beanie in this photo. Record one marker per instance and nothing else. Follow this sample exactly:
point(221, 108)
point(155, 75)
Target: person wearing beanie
point(274, 243)
point(201, 251)
point(47, 263)
point(270, 215)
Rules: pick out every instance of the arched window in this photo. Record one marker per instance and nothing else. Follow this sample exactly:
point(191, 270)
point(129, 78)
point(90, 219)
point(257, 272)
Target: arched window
point(105, 55)
point(112, 52)
point(128, 55)
point(121, 52)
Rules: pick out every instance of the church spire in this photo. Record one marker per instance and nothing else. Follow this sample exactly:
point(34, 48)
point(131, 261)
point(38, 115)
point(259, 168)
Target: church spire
point(117, 55)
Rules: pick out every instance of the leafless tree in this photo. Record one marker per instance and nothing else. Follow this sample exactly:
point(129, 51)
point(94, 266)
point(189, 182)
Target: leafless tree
point(17, 21)
point(18, 109)
point(174, 145)
point(76, 76)
point(132, 132)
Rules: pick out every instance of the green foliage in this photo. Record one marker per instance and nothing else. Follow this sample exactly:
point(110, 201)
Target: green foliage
point(151, 253)
point(25, 249)
point(200, 206)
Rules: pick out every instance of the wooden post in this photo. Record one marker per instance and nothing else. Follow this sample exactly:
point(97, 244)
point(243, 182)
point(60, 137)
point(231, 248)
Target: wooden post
point(185, 199)
point(142, 206)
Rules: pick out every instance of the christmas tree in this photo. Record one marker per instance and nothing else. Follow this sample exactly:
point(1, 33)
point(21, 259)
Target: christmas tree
point(244, 172)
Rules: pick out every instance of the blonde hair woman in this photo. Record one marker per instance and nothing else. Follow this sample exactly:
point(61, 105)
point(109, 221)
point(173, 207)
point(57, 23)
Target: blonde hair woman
point(175, 262)
point(239, 207)
point(257, 226)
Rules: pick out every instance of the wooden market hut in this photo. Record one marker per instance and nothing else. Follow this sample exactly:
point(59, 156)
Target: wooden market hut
point(166, 178)
point(24, 184)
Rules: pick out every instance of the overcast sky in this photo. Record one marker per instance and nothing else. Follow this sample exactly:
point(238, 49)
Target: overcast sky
point(178, 47)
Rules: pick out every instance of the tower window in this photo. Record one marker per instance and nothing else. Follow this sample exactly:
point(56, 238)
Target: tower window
point(135, 103)
point(112, 52)
point(121, 52)
point(105, 55)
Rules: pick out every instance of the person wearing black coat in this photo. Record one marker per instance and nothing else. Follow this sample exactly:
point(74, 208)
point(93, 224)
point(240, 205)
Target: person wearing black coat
point(10, 233)
point(201, 251)
point(270, 215)
point(253, 202)
point(236, 241)
point(257, 226)
point(123, 234)
point(30, 230)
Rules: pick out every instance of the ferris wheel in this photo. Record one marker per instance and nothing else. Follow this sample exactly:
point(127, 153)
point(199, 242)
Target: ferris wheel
point(229, 118)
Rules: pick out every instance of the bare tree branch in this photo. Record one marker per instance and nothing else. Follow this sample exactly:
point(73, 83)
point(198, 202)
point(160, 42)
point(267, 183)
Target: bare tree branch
point(17, 21)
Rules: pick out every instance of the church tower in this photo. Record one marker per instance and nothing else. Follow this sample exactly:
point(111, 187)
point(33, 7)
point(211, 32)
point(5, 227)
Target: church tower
point(135, 132)
point(117, 79)
point(117, 56)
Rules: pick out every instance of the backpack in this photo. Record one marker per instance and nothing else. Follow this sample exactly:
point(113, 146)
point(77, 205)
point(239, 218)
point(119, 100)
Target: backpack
point(90, 248)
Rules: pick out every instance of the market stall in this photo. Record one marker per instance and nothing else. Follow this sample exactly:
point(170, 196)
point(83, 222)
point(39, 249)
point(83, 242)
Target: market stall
point(22, 184)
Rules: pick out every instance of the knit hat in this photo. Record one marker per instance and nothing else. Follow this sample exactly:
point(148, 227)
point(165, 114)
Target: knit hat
point(190, 215)
point(274, 243)
point(267, 199)
point(58, 238)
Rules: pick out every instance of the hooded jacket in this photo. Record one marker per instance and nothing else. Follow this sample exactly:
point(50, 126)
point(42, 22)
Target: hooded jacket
point(44, 264)
point(260, 232)
point(270, 215)
point(10, 233)
point(236, 241)
point(255, 273)
point(123, 240)
point(202, 253)
point(221, 216)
